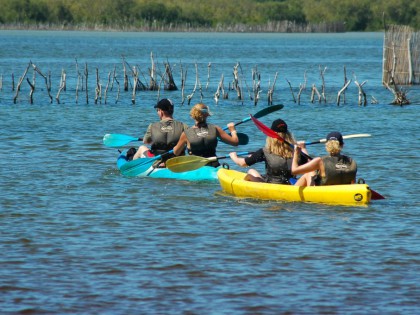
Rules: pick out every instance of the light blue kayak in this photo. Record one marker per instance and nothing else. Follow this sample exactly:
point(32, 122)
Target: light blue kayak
point(145, 167)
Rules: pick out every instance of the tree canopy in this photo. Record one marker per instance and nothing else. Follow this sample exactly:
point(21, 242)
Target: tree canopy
point(355, 15)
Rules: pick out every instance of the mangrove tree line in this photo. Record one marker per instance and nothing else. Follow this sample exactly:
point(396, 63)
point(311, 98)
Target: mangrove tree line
point(212, 15)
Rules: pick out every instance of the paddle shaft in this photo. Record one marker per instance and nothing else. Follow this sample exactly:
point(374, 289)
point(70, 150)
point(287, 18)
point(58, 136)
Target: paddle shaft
point(187, 163)
point(260, 113)
point(361, 135)
point(143, 161)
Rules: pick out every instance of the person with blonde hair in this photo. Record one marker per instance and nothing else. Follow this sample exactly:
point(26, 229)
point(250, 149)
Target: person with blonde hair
point(202, 138)
point(276, 154)
point(332, 169)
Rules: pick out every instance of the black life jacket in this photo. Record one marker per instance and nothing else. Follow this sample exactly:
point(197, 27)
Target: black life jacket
point(278, 169)
point(165, 135)
point(203, 141)
point(339, 170)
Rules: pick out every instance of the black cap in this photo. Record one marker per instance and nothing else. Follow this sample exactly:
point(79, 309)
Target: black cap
point(279, 125)
point(335, 135)
point(165, 105)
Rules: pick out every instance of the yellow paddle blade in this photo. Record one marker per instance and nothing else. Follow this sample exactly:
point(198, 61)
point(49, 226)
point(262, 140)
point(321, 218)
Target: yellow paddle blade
point(186, 163)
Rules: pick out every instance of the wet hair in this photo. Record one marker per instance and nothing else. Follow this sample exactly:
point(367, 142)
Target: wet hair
point(200, 112)
point(333, 147)
point(275, 146)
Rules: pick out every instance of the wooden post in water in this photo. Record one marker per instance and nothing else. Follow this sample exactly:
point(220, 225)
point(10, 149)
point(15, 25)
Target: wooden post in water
point(343, 89)
point(62, 85)
point(315, 91)
point(135, 80)
point(322, 74)
point(362, 94)
point(271, 91)
point(189, 97)
point(86, 82)
point(107, 86)
point(291, 90)
point(45, 79)
point(32, 86)
point(208, 75)
point(20, 83)
point(98, 89)
point(118, 84)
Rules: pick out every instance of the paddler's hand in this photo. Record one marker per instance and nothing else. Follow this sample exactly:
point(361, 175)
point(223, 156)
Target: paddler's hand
point(233, 155)
point(231, 127)
point(301, 144)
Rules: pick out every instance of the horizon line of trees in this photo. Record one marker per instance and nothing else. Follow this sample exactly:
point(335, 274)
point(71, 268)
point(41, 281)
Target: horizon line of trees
point(215, 15)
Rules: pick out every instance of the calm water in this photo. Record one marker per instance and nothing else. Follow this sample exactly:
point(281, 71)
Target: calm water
point(78, 238)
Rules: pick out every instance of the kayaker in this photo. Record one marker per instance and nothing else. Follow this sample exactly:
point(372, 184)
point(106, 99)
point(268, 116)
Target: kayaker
point(333, 169)
point(162, 135)
point(202, 138)
point(277, 155)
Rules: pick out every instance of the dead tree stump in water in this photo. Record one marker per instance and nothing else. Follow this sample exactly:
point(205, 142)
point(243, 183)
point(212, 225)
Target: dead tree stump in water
point(256, 85)
point(32, 86)
point(322, 75)
point(153, 86)
point(183, 80)
point(315, 91)
point(170, 83)
point(47, 86)
point(362, 94)
point(98, 89)
point(62, 85)
point(86, 83)
point(271, 91)
point(291, 90)
point(236, 83)
point(343, 89)
point(20, 83)
point(189, 97)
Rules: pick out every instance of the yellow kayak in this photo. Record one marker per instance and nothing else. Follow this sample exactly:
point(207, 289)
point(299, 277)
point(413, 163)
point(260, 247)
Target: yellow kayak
point(233, 183)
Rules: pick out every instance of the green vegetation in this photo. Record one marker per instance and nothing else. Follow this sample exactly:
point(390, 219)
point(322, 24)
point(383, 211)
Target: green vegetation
point(352, 15)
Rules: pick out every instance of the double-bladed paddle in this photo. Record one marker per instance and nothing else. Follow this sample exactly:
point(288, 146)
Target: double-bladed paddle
point(130, 166)
point(358, 135)
point(187, 163)
point(118, 140)
point(271, 133)
point(261, 113)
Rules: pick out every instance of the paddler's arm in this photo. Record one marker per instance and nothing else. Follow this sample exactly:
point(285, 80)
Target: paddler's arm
point(238, 160)
point(231, 139)
point(147, 138)
point(312, 165)
point(180, 146)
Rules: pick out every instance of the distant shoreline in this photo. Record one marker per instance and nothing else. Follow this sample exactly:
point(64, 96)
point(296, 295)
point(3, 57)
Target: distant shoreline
point(270, 27)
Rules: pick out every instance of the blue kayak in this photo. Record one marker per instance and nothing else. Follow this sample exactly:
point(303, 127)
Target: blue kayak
point(146, 167)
